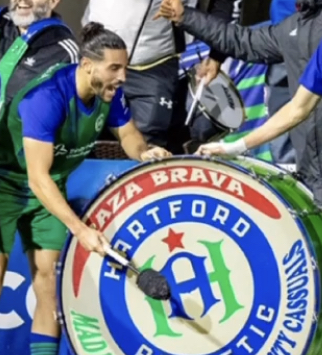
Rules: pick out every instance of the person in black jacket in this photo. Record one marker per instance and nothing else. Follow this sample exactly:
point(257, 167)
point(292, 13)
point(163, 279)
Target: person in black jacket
point(229, 11)
point(32, 39)
point(293, 41)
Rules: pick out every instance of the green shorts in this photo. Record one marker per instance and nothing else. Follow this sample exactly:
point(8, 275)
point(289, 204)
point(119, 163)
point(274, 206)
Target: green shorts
point(38, 229)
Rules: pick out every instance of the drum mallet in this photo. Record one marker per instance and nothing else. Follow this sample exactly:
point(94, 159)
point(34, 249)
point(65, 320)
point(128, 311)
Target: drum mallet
point(149, 281)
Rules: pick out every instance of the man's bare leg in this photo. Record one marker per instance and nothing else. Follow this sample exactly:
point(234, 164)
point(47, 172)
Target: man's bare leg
point(45, 331)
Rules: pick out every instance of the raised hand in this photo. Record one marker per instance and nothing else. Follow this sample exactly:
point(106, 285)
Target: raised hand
point(170, 9)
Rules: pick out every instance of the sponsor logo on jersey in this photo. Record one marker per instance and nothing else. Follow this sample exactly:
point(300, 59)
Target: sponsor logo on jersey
point(238, 263)
point(61, 149)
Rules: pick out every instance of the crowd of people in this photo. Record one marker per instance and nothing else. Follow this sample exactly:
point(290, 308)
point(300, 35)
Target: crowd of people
point(58, 94)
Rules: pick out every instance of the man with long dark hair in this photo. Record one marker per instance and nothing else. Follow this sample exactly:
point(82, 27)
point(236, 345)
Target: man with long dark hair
point(53, 123)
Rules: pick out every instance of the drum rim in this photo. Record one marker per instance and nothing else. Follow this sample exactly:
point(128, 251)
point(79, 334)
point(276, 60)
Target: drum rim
point(310, 247)
point(304, 185)
point(204, 109)
point(108, 184)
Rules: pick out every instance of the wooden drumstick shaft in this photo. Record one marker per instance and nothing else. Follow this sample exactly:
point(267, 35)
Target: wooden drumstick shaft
point(195, 101)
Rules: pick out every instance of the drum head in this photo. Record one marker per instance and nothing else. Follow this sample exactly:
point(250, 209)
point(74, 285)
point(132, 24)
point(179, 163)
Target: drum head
point(241, 266)
point(220, 101)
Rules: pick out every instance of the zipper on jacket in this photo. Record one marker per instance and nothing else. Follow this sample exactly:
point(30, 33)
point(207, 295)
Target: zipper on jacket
point(140, 31)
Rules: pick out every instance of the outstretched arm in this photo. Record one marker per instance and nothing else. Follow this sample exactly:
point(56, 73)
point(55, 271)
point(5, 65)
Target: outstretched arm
point(252, 45)
point(289, 116)
point(226, 11)
point(293, 113)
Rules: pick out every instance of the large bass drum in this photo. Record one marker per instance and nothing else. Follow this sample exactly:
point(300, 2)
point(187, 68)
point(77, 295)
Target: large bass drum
point(239, 242)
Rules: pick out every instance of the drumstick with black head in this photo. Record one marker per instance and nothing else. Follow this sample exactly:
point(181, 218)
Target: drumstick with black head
point(149, 281)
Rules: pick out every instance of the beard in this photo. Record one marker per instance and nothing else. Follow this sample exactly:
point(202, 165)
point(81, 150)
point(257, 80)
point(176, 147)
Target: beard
point(37, 13)
point(99, 88)
point(97, 85)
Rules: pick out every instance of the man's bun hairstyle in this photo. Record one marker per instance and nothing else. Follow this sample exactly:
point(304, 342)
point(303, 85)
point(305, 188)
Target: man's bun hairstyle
point(95, 38)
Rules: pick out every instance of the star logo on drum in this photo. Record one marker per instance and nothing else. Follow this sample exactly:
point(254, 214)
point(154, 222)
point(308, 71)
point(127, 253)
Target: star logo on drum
point(173, 240)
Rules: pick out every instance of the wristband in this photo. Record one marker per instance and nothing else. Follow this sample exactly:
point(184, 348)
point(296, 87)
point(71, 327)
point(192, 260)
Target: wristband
point(235, 148)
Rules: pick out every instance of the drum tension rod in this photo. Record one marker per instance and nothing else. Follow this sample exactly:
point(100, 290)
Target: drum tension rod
point(110, 178)
point(279, 176)
point(254, 175)
point(294, 213)
point(303, 213)
point(314, 212)
point(315, 318)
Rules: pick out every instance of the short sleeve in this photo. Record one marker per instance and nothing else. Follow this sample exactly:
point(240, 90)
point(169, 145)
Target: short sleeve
point(312, 76)
point(42, 113)
point(119, 114)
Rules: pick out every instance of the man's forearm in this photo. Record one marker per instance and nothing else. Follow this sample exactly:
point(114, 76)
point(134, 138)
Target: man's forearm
point(134, 145)
point(253, 45)
point(49, 195)
point(284, 120)
point(224, 10)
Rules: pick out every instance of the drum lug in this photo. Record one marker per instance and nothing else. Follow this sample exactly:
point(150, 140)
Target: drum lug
point(306, 213)
point(294, 213)
point(281, 175)
point(297, 176)
point(59, 318)
point(303, 213)
point(156, 160)
point(58, 267)
point(314, 263)
point(268, 177)
point(211, 158)
point(254, 175)
point(110, 178)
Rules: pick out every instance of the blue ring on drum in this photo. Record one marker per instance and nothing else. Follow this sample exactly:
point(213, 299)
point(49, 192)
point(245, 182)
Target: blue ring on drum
point(255, 247)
